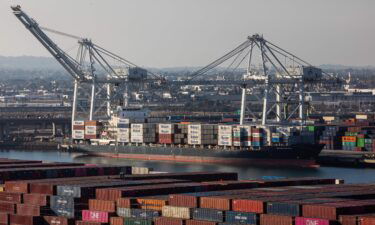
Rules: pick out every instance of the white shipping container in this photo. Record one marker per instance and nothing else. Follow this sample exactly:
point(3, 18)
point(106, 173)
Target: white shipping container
point(176, 212)
point(166, 128)
point(224, 129)
point(137, 126)
point(194, 141)
point(123, 130)
point(140, 170)
point(78, 136)
point(78, 132)
point(224, 143)
point(123, 212)
point(123, 139)
point(123, 121)
point(79, 122)
point(136, 139)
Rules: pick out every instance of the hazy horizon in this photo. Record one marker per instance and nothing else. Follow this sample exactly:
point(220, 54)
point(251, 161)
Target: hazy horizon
point(179, 33)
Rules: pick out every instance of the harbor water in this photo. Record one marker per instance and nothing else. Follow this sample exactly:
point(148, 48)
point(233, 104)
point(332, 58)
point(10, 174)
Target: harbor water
point(350, 175)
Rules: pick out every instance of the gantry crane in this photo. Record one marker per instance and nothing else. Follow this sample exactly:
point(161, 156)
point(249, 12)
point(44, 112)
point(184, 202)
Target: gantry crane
point(88, 68)
point(283, 84)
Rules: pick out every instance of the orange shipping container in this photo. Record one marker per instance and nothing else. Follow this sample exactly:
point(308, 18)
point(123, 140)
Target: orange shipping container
point(124, 202)
point(102, 205)
point(268, 219)
point(217, 202)
point(16, 187)
point(117, 221)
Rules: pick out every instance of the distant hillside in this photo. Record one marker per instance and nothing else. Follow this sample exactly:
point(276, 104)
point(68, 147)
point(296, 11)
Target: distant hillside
point(29, 63)
point(43, 63)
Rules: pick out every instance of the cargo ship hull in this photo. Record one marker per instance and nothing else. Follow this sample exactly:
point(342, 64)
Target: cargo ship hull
point(298, 155)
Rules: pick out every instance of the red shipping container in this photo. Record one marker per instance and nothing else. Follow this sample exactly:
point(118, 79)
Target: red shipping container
point(7, 207)
point(25, 220)
point(311, 221)
point(199, 222)
point(36, 199)
point(117, 221)
point(95, 216)
point(268, 219)
point(4, 218)
point(28, 210)
point(331, 211)
point(367, 220)
point(248, 205)
point(183, 200)
point(11, 197)
point(58, 220)
point(80, 222)
point(168, 221)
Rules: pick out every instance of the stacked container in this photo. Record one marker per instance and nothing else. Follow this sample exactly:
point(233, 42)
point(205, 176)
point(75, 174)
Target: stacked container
point(123, 131)
point(166, 133)
point(257, 137)
point(78, 132)
point(349, 143)
point(242, 136)
point(225, 135)
point(143, 133)
point(92, 129)
point(181, 137)
point(202, 134)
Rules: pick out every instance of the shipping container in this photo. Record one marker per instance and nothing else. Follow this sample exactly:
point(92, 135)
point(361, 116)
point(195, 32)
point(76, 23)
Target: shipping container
point(241, 217)
point(135, 221)
point(102, 205)
point(169, 221)
point(310, 221)
point(269, 219)
point(95, 216)
point(58, 220)
point(208, 214)
point(116, 221)
point(199, 222)
point(176, 212)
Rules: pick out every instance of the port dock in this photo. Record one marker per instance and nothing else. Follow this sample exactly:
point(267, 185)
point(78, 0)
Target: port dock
point(82, 194)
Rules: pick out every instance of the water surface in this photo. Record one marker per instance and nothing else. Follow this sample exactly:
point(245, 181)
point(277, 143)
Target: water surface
point(350, 175)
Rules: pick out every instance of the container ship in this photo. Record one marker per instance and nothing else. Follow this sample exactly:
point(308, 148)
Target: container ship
point(144, 138)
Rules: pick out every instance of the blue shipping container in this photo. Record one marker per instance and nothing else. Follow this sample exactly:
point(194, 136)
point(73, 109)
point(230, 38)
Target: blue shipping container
point(241, 217)
point(208, 214)
point(284, 208)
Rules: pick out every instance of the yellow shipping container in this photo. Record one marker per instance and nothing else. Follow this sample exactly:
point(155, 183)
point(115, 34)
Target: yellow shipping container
point(176, 212)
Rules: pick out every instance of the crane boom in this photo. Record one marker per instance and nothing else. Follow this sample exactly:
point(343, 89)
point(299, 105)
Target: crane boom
point(71, 65)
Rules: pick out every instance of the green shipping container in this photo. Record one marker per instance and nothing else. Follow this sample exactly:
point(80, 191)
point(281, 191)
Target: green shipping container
point(134, 221)
point(360, 142)
point(311, 128)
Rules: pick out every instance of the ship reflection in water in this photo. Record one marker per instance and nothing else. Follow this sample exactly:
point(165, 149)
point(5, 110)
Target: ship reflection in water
point(350, 175)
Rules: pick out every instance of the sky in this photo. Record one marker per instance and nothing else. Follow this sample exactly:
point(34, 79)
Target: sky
point(174, 33)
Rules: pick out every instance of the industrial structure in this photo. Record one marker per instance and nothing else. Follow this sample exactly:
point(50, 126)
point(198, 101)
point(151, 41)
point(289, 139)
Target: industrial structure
point(281, 76)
